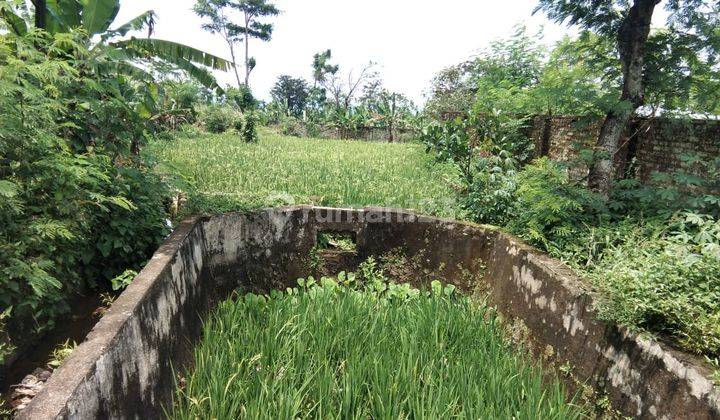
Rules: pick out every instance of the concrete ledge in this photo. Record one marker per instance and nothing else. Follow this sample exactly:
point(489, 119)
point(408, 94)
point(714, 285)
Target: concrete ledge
point(125, 367)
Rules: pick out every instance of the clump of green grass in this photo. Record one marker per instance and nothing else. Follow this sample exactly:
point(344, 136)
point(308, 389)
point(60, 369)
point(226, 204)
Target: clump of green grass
point(379, 350)
point(224, 173)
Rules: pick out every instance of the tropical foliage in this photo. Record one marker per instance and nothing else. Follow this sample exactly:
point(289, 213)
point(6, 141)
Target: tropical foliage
point(651, 250)
point(347, 104)
point(629, 242)
point(80, 205)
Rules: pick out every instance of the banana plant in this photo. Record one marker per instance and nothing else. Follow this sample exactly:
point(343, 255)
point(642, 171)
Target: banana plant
point(128, 54)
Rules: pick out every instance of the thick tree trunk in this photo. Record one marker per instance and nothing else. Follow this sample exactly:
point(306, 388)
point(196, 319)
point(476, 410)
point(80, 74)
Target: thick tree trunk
point(632, 39)
point(40, 13)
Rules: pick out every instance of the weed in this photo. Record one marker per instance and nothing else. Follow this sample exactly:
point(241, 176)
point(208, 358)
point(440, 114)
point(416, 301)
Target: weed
point(339, 241)
point(61, 353)
point(715, 363)
point(344, 348)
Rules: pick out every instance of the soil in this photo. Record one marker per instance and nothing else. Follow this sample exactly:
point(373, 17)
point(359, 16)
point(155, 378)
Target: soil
point(86, 312)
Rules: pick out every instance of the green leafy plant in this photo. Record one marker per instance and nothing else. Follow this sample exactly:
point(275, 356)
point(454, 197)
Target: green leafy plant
point(339, 346)
point(123, 280)
point(217, 119)
point(694, 187)
point(249, 131)
point(6, 347)
point(79, 204)
point(666, 283)
point(61, 353)
point(487, 149)
point(335, 240)
point(550, 209)
point(715, 363)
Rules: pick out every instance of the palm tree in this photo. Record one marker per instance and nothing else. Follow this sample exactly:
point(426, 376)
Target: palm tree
point(129, 55)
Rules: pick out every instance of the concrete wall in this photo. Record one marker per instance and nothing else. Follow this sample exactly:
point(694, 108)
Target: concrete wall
point(123, 370)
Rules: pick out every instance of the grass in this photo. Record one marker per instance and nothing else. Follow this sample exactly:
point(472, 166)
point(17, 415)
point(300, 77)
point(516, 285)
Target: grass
point(334, 351)
point(223, 173)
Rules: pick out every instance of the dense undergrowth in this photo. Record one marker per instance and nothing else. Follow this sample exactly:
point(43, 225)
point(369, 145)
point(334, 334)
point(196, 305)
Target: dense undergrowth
point(651, 250)
point(81, 209)
point(356, 347)
point(77, 207)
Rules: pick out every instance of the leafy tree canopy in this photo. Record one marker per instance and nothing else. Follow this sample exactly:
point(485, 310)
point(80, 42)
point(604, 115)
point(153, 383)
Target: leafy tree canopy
point(292, 92)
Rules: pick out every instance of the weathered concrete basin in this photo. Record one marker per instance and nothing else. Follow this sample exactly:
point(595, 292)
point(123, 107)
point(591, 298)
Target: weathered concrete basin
point(125, 367)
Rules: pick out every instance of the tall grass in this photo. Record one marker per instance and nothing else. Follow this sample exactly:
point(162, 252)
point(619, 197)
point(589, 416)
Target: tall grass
point(333, 352)
point(225, 173)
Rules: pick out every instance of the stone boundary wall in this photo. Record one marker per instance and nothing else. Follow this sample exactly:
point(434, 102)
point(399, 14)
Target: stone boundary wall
point(648, 145)
point(124, 368)
point(378, 134)
point(368, 134)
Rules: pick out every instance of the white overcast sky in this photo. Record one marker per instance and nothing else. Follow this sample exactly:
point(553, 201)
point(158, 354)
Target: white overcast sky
point(410, 40)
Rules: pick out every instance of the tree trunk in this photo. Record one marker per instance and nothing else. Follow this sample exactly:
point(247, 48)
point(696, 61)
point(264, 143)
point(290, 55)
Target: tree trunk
point(40, 13)
point(247, 51)
point(232, 55)
point(631, 39)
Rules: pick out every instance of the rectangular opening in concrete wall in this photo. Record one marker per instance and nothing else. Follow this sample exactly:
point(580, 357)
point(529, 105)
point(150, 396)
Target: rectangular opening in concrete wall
point(340, 241)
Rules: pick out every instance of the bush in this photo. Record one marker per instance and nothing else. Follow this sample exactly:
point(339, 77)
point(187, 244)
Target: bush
point(241, 98)
point(291, 126)
point(249, 132)
point(126, 237)
point(487, 150)
point(77, 207)
point(666, 281)
point(694, 187)
point(177, 104)
point(551, 211)
point(217, 119)
point(239, 124)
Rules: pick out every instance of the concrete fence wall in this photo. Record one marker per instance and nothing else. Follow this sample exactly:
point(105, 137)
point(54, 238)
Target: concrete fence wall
point(125, 367)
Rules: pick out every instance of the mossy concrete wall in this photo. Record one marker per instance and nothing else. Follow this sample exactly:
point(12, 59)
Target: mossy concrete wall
point(125, 367)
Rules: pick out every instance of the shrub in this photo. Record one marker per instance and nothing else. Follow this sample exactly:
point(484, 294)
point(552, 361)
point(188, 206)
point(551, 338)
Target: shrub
point(666, 282)
point(487, 150)
point(550, 210)
point(241, 98)
point(217, 119)
point(76, 205)
point(239, 124)
point(177, 104)
point(491, 197)
point(312, 129)
point(126, 237)
point(694, 187)
point(249, 132)
point(291, 126)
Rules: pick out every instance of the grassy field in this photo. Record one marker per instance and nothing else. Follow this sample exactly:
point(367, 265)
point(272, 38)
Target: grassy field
point(342, 352)
point(335, 352)
point(223, 173)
